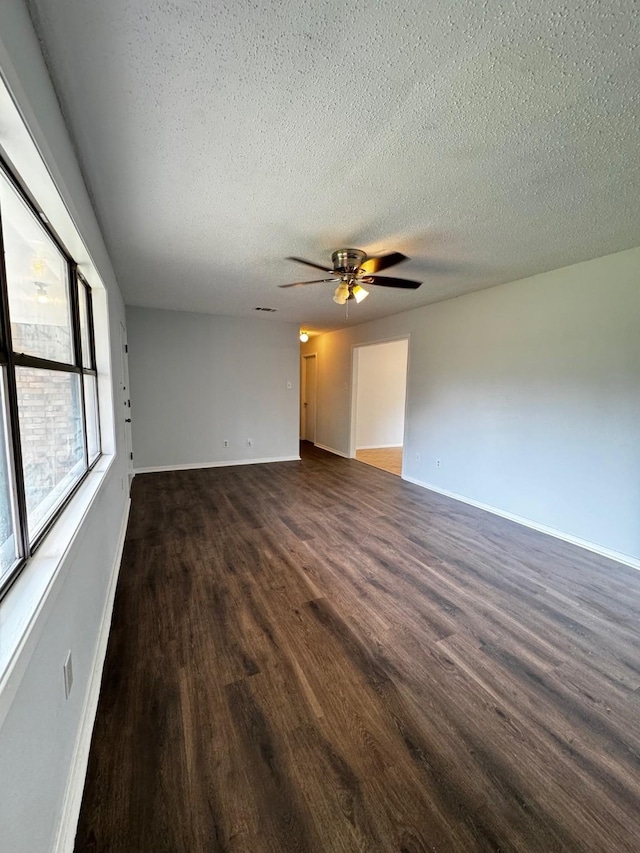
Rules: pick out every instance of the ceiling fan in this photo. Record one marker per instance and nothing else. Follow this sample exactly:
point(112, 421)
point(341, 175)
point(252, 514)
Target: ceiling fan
point(352, 268)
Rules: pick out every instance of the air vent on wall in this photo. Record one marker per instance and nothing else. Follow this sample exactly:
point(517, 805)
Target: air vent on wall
point(269, 310)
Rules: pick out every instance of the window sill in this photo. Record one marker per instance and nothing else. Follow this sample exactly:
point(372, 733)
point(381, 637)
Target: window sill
point(24, 609)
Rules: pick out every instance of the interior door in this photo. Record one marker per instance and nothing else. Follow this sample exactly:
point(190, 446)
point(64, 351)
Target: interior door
point(310, 398)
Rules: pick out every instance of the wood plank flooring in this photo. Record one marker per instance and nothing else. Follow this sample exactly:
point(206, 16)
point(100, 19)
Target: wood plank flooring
point(387, 458)
point(317, 656)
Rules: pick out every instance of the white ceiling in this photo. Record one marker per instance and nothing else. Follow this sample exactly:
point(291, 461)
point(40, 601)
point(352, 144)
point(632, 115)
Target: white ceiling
point(498, 139)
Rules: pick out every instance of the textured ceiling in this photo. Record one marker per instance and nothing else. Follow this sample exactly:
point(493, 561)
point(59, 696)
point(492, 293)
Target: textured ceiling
point(487, 140)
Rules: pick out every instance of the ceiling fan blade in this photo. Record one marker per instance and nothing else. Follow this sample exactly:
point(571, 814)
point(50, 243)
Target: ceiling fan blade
point(374, 265)
point(299, 283)
point(309, 264)
point(383, 281)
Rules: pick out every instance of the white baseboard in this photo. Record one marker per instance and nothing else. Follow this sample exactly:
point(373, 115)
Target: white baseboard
point(625, 559)
point(65, 838)
point(332, 450)
point(377, 446)
point(191, 466)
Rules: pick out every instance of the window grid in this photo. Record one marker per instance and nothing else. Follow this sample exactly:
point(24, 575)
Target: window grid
point(10, 360)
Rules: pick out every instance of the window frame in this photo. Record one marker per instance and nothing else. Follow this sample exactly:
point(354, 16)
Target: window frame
point(91, 370)
point(9, 360)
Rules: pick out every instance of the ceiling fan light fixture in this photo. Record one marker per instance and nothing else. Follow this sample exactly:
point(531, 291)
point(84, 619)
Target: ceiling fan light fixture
point(341, 294)
point(359, 293)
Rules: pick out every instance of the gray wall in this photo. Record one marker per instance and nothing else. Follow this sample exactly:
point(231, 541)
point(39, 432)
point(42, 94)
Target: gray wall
point(198, 379)
point(528, 393)
point(38, 727)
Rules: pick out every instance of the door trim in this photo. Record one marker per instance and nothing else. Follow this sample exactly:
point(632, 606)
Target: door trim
point(303, 394)
point(354, 389)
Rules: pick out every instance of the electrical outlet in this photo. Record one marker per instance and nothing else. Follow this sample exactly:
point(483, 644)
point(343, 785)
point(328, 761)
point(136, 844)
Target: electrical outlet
point(226, 442)
point(438, 463)
point(67, 670)
point(417, 457)
point(249, 442)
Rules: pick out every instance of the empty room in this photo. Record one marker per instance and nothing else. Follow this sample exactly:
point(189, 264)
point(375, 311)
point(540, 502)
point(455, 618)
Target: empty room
point(320, 434)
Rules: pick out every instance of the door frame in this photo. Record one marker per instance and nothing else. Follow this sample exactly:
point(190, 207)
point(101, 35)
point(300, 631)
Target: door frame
point(354, 390)
point(303, 394)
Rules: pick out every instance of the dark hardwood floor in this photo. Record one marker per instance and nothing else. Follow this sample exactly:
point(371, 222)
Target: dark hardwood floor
point(318, 656)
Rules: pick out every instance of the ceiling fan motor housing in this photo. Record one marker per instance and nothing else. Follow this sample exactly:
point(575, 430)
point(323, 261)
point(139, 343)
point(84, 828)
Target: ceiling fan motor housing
point(347, 261)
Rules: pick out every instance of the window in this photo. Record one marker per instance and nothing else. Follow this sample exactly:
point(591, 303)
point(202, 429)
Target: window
point(49, 420)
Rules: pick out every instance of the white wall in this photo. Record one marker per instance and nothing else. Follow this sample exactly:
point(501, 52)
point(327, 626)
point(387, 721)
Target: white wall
point(528, 393)
point(198, 379)
point(381, 371)
point(39, 729)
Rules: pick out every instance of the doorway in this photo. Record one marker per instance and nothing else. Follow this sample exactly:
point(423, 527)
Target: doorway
point(308, 396)
point(378, 404)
